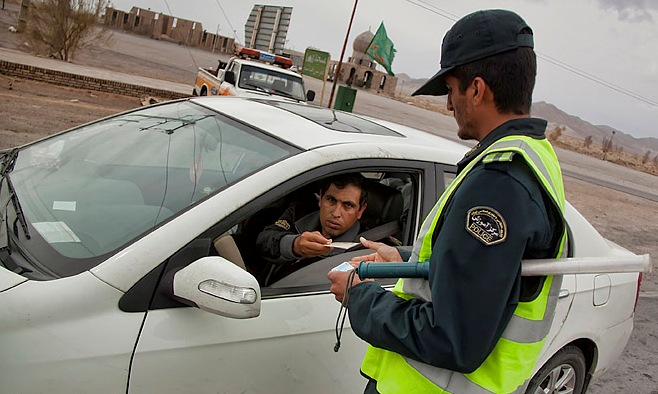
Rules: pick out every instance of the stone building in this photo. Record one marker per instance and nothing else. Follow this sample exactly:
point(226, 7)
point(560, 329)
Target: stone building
point(360, 69)
point(166, 27)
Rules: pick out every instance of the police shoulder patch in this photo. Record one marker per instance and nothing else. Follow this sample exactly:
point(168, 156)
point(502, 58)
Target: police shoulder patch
point(486, 225)
point(283, 224)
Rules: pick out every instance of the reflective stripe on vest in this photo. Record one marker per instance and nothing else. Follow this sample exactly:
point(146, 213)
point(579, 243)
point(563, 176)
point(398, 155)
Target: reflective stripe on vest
point(509, 366)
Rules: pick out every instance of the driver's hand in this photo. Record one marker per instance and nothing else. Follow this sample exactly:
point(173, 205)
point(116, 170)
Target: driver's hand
point(311, 244)
point(383, 253)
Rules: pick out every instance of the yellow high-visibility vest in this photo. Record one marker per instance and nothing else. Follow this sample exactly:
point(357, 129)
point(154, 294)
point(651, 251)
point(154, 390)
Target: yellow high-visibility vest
point(510, 364)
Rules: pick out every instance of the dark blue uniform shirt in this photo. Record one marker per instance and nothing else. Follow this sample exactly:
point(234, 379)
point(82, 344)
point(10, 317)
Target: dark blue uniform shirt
point(475, 287)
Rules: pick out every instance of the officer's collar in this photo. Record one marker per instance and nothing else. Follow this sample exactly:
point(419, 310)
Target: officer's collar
point(531, 127)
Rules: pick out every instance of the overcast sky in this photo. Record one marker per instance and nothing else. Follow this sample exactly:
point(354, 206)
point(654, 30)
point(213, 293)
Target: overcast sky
point(611, 46)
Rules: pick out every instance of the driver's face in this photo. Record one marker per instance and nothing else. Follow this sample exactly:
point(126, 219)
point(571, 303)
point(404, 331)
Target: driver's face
point(339, 209)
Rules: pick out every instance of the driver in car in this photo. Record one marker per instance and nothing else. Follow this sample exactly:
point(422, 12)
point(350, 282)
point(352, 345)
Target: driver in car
point(298, 234)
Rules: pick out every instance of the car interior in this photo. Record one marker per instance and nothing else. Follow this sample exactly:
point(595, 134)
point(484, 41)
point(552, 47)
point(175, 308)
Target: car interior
point(390, 199)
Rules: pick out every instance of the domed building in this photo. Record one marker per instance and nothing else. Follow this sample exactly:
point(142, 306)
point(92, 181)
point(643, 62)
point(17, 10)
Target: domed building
point(360, 69)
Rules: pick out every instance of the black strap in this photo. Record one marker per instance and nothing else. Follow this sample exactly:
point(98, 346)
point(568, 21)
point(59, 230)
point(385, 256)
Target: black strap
point(382, 231)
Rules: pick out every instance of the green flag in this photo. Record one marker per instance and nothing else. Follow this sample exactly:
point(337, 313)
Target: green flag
point(381, 49)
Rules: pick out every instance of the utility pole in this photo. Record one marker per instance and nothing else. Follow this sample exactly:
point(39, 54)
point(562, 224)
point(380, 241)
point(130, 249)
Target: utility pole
point(607, 145)
point(214, 41)
point(342, 53)
point(23, 15)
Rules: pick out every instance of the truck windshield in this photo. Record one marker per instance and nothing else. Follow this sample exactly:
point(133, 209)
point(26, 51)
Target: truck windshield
point(272, 81)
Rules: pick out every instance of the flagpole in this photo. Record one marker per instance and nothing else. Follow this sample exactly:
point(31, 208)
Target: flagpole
point(342, 53)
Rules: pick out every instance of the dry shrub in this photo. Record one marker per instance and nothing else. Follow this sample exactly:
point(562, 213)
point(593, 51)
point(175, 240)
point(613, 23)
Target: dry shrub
point(59, 28)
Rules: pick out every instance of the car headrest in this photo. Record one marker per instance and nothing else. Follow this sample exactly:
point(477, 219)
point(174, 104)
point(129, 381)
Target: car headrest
point(279, 85)
point(385, 204)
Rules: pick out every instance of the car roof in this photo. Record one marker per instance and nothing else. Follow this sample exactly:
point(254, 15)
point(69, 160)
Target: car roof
point(310, 127)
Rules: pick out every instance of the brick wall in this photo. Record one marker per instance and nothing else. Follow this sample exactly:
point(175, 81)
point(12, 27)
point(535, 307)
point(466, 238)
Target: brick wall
point(83, 82)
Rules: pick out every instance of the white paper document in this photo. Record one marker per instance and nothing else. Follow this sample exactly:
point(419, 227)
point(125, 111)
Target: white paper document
point(342, 245)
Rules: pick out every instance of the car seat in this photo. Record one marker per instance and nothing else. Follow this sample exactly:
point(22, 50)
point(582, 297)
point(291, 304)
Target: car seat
point(227, 248)
point(279, 85)
point(381, 218)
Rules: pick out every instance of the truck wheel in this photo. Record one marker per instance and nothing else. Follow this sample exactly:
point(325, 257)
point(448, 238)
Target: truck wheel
point(562, 373)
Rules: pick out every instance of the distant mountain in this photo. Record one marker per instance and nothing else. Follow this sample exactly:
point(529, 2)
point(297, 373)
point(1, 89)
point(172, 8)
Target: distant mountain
point(575, 126)
point(579, 128)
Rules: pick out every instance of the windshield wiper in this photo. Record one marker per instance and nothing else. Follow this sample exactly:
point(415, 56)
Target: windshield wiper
point(285, 94)
point(178, 123)
point(256, 87)
point(7, 166)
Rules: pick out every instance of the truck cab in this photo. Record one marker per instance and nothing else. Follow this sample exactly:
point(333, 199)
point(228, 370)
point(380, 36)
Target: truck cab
point(253, 74)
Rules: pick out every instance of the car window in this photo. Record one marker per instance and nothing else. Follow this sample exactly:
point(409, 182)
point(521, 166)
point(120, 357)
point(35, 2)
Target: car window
point(402, 193)
point(92, 190)
point(273, 81)
point(393, 198)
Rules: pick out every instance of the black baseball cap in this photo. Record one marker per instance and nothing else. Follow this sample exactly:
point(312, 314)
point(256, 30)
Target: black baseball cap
point(474, 37)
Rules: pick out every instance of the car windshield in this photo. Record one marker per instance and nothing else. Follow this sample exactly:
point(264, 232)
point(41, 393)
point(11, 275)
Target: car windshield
point(87, 192)
point(272, 81)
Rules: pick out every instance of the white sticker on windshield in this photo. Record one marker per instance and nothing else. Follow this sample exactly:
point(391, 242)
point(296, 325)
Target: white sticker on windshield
point(64, 206)
point(55, 232)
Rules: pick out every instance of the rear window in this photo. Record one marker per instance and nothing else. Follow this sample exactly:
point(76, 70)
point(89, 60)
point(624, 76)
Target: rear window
point(335, 120)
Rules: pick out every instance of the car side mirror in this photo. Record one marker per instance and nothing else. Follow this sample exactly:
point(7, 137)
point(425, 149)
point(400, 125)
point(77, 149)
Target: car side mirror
point(229, 76)
point(218, 286)
point(310, 95)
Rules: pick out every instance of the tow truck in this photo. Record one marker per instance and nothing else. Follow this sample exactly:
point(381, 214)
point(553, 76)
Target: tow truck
point(253, 73)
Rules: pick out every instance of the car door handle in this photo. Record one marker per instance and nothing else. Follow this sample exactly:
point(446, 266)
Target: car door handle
point(564, 293)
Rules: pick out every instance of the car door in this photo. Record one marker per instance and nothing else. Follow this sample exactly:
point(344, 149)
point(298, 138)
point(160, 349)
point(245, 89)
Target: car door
point(290, 346)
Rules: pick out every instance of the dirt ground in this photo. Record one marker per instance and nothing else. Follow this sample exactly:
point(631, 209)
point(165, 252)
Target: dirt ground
point(32, 110)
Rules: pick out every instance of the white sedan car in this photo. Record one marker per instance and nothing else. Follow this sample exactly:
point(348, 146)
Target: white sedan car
point(128, 260)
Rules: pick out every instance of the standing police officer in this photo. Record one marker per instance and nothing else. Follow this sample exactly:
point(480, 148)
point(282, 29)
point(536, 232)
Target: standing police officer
point(475, 326)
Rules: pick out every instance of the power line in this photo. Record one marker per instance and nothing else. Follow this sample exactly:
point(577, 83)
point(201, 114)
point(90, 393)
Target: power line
point(434, 9)
point(186, 43)
point(229, 22)
point(596, 79)
point(447, 15)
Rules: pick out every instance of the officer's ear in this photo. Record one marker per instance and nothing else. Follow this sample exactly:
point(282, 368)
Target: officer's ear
point(477, 90)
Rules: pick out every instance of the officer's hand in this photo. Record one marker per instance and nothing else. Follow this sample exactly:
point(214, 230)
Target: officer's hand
point(310, 244)
point(383, 252)
point(338, 281)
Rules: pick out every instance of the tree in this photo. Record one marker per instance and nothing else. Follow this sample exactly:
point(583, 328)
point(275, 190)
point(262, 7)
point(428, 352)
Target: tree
point(59, 28)
point(645, 158)
point(607, 145)
point(556, 133)
point(588, 141)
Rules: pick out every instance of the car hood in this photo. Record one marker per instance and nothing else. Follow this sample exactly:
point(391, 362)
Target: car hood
point(9, 279)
